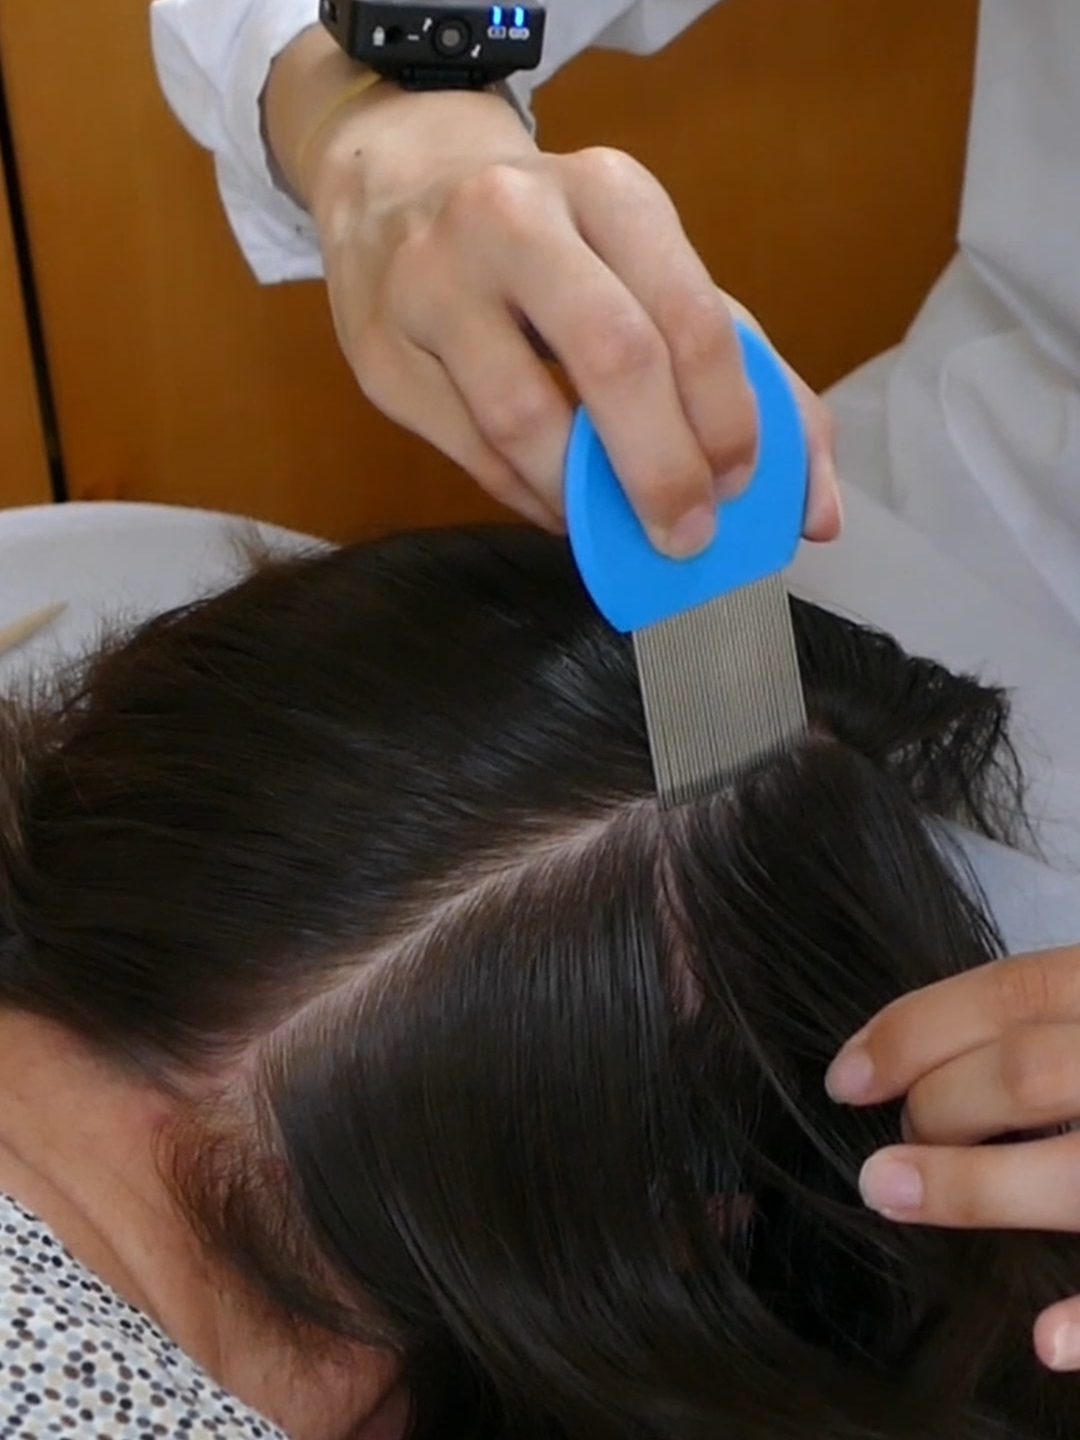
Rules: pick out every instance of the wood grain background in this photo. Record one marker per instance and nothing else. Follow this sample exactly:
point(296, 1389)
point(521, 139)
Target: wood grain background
point(24, 476)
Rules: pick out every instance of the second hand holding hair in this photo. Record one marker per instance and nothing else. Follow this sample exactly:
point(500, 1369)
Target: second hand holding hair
point(991, 1053)
point(449, 239)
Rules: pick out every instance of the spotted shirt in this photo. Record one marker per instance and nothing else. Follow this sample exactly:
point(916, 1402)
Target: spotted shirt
point(76, 1361)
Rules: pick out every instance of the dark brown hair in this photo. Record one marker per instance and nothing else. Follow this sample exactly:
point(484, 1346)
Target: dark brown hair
point(500, 1065)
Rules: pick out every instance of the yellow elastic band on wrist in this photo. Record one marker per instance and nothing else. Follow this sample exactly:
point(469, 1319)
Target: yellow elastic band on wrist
point(360, 86)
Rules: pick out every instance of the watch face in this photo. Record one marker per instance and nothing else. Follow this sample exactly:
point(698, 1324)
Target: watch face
point(438, 45)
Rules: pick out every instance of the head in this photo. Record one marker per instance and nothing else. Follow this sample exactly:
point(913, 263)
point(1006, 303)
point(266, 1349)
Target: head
point(480, 1056)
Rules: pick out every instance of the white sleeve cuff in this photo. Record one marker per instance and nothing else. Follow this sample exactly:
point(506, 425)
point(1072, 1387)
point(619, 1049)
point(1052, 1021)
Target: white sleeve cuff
point(213, 58)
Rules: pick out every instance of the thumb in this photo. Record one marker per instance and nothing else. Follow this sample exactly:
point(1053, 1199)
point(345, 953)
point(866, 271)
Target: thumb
point(824, 510)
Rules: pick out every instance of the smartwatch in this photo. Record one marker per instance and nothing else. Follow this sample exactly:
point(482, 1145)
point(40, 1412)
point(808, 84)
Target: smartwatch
point(438, 46)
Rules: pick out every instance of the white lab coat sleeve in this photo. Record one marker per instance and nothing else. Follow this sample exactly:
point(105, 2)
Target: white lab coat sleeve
point(213, 58)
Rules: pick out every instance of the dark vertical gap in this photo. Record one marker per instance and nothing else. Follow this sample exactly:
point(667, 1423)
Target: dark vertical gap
point(31, 307)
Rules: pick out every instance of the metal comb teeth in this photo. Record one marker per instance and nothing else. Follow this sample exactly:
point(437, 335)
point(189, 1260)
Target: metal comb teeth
point(721, 689)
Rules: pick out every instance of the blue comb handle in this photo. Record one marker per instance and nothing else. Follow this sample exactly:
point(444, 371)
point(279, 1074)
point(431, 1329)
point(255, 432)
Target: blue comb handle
point(757, 533)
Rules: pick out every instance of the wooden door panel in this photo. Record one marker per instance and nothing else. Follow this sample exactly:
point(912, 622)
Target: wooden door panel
point(24, 478)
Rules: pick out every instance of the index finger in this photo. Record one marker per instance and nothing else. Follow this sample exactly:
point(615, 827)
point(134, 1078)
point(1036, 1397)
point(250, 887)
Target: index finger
point(919, 1032)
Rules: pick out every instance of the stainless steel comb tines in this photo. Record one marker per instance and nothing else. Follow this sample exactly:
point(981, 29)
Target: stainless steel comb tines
point(721, 689)
point(713, 635)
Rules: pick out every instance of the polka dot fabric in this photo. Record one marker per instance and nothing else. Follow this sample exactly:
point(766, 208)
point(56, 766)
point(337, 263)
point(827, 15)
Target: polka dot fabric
point(77, 1362)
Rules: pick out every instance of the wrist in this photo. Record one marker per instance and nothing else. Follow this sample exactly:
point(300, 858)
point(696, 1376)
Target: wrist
point(393, 143)
point(309, 83)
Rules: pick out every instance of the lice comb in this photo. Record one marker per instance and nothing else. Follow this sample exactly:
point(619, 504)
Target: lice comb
point(712, 635)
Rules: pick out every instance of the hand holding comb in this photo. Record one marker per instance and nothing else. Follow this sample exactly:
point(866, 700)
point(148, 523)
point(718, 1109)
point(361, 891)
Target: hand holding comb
point(712, 635)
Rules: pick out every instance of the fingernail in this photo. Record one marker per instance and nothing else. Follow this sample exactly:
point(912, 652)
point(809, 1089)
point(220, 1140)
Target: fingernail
point(825, 507)
point(891, 1186)
point(850, 1076)
point(690, 534)
point(1065, 1347)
